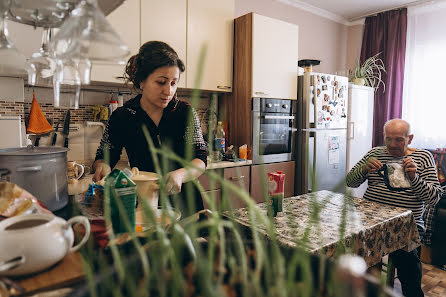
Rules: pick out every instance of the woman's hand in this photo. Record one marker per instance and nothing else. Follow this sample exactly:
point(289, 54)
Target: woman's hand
point(101, 169)
point(410, 168)
point(372, 165)
point(175, 180)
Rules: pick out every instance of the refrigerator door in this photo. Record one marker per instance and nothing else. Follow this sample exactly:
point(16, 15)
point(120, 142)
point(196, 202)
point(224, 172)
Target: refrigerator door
point(329, 107)
point(359, 128)
point(328, 160)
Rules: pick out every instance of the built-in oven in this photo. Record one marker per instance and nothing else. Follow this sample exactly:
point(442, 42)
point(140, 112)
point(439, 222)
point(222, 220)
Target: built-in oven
point(273, 130)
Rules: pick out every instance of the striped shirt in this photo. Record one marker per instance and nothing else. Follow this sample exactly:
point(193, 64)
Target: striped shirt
point(424, 189)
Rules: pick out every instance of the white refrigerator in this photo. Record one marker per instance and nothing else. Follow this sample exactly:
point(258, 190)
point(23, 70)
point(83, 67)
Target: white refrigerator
point(359, 128)
point(322, 132)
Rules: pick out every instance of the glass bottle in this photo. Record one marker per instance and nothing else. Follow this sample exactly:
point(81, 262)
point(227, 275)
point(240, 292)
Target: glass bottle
point(219, 142)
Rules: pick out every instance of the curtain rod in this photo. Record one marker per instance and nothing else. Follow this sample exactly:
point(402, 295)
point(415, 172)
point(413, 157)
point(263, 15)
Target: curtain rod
point(414, 3)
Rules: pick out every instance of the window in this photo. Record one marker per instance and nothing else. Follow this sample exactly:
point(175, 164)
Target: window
point(424, 95)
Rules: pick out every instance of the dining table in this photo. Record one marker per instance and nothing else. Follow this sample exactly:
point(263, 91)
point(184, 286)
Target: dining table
point(321, 221)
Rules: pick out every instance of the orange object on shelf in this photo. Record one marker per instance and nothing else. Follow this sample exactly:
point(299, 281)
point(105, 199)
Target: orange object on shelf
point(37, 122)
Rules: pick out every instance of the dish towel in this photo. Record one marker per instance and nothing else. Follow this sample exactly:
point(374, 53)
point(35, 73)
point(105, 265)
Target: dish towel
point(37, 123)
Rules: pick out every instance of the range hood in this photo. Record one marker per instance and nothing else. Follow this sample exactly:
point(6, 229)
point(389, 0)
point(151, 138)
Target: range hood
point(49, 13)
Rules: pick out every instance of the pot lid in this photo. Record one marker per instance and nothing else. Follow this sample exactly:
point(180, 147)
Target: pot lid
point(32, 150)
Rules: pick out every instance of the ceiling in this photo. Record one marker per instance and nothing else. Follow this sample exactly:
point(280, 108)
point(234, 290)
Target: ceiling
point(350, 10)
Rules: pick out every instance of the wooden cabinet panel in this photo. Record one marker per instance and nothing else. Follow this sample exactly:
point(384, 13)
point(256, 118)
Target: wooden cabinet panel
point(205, 180)
point(259, 179)
point(166, 21)
point(277, 79)
point(213, 194)
point(210, 23)
point(237, 175)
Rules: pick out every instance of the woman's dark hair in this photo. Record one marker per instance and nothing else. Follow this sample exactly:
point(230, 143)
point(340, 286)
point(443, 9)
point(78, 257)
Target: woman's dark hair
point(151, 56)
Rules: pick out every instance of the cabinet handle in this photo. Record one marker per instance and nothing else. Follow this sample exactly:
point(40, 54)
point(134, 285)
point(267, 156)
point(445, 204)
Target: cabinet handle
point(224, 87)
point(236, 177)
point(260, 93)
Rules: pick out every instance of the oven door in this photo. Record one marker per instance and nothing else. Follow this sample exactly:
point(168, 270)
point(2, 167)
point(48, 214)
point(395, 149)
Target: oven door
point(273, 137)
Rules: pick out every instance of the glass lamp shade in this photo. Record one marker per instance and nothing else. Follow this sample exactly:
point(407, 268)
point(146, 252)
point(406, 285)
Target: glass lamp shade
point(70, 74)
point(87, 34)
point(12, 62)
point(41, 65)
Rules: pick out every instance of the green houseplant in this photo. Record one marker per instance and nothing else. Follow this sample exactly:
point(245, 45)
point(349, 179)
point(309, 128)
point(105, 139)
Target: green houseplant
point(369, 73)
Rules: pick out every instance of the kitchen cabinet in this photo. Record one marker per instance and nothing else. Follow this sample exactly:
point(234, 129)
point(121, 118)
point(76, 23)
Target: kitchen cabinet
point(259, 179)
point(265, 65)
point(125, 21)
point(210, 24)
point(239, 177)
point(274, 58)
point(166, 21)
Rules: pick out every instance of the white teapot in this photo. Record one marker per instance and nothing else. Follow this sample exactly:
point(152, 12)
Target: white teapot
point(37, 241)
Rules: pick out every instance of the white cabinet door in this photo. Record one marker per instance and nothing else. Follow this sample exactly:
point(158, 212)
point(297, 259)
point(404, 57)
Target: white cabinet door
point(210, 23)
point(165, 20)
point(125, 21)
point(274, 59)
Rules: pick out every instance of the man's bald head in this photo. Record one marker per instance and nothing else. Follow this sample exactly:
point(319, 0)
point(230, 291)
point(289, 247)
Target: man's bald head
point(397, 124)
point(397, 137)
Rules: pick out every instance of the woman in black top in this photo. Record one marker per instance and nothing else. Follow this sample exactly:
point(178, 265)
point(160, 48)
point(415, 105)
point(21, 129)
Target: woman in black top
point(155, 70)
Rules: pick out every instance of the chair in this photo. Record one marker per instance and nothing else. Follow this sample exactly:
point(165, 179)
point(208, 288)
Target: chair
point(438, 246)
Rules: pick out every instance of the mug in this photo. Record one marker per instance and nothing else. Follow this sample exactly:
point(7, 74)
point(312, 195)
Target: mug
point(74, 171)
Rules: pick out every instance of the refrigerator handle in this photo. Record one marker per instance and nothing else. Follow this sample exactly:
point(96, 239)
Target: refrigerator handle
point(352, 131)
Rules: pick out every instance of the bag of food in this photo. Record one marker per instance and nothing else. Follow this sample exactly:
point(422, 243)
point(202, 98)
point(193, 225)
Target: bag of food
point(15, 201)
point(394, 176)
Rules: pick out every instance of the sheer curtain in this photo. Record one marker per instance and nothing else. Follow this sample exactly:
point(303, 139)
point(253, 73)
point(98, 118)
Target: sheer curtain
point(424, 92)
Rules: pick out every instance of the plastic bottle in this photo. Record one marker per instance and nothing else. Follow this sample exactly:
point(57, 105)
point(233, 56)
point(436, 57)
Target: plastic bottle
point(219, 142)
point(113, 104)
point(120, 100)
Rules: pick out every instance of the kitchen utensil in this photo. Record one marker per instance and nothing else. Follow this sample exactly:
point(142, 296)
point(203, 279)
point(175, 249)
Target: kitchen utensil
point(66, 128)
point(146, 186)
point(74, 171)
point(53, 141)
point(42, 239)
point(42, 171)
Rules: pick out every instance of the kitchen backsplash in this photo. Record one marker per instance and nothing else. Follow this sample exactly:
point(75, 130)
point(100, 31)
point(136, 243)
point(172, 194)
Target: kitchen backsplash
point(84, 139)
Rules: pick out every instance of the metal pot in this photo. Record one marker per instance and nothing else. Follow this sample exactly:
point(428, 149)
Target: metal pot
point(42, 171)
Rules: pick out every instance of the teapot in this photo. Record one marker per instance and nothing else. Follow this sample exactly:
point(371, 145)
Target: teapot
point(38, 241)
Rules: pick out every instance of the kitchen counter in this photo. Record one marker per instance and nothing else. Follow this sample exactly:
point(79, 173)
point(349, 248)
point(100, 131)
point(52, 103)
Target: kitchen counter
point(372, 230)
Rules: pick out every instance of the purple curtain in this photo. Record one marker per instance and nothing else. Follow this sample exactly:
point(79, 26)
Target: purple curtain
point(386, 33)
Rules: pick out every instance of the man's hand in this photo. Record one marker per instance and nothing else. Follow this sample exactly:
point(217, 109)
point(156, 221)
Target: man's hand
point(371, 165)
point(410, 168)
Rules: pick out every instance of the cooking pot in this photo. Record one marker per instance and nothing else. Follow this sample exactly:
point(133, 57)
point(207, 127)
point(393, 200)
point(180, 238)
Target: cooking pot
point(42, 171)
point(146, 186)
point(36, 242)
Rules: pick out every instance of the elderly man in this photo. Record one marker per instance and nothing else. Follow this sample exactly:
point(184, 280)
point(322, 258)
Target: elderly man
point(424, 190)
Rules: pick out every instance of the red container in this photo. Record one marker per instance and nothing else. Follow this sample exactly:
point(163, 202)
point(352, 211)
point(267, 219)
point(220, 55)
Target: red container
point(276, 184)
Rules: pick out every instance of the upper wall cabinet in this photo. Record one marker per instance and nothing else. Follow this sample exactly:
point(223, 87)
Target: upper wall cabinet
point(166, 21)
point(274, 58)
point(125, 21)
point(210, 24)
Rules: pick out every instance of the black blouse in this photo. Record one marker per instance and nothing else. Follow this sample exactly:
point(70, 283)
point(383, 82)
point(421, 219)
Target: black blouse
point(124, 130)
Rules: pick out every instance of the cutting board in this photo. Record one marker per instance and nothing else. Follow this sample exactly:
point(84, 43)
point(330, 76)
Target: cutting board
point(67, 272)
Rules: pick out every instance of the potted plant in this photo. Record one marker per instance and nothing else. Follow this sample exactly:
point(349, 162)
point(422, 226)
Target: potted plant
point(369, 73)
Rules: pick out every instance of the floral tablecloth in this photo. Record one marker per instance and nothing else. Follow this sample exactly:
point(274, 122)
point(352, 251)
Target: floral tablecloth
point(372, 230)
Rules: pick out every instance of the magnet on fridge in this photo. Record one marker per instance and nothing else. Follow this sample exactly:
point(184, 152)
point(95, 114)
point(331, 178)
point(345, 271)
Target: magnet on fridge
point(328, 78)
point(318, 92)
point(324, 87)
point(326, 97)
point(318, 79)
point(323, 79)
point(341, 93)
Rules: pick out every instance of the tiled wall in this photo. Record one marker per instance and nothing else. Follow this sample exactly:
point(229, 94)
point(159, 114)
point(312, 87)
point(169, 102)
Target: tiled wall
point(83, 140)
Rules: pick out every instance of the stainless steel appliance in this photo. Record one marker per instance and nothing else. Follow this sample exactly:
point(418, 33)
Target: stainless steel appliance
point(42, 171)
point(273, 130)
point(322, 132)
